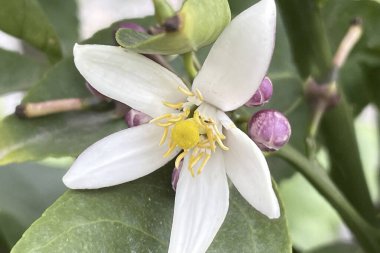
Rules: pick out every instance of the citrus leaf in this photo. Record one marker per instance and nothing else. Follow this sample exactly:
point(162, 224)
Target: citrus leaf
point(25, 191)
point(26, 20)
point(17, 72)
point(63, 17)
point(136, 217)
point(65, 134)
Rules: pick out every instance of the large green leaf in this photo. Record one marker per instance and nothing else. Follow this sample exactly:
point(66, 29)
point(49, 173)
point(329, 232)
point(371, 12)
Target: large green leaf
point(63, 17)
point(136, 217)
point(26, 20)
point(66, 134)
point(200, 24)
point(25, 191)
point(17, 72)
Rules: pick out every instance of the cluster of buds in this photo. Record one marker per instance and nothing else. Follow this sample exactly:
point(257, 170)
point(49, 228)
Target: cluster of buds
point(269, 129)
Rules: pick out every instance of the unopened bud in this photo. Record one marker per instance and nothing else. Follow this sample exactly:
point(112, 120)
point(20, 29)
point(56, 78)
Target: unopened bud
point(96, 93)
point(136, 118)
point(133, 26)
point(263, 93)
point(269, 129)
point(175, 175)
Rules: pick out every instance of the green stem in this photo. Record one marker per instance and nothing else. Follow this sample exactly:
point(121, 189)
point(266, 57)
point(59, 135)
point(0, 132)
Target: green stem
point(189, 65)
point(163, 10)
point(367, 236)
point(346, 167)
point(310, 47)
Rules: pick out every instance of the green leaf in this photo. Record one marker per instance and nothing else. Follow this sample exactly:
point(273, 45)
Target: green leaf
point(63, 17)
point(305, 28)
point(26, 20)
point(66, 134)
point(201, 22)
point(136, 217)
point(25, 191)
point(17, 72)
point(312, 220)
point(339, 247)
point(107, 36)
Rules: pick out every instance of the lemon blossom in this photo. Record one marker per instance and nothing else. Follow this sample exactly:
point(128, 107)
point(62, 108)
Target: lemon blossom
point(188, 123)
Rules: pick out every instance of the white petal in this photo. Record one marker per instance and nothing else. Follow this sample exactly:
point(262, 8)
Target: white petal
point(128, 77)
point(201, 205)
point(248, 170)
point(239, 59)
point(118, 158)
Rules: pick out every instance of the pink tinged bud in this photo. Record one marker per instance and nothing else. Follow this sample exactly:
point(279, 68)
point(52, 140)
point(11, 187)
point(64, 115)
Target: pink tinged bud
point(136, 118)
point(133, 26)
point(96, 93)
point(263, 93)
point(269, 129)
point(175, 175)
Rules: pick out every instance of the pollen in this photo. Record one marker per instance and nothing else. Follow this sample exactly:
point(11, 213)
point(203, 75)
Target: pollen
point(197, 134)
point(185, 134)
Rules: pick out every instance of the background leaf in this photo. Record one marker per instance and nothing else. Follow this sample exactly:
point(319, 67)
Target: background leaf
point(25, 191)
point(136, 217)
point(65, 134)
point(17, 72)
point(63, 17)
point(25, 19)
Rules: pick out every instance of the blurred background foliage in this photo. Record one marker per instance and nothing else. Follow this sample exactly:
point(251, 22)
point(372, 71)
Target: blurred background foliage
point(31, 151)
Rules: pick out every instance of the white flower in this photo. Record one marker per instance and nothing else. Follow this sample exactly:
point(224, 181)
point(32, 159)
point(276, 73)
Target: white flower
point(206, 138)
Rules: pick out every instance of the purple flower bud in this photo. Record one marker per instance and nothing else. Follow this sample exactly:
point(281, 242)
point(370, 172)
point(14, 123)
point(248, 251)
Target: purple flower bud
point(263, 93)
point(269, 129)
point(175, 175)
point(132, 26)
point(96, 93)
point(136, 118)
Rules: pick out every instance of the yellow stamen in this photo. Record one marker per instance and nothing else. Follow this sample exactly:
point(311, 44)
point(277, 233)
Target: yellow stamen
point(170, 150)
point(210, 139)
point(221, 145)
point(194, 160)
point(165, 124)
point(176, 119)
point(168, 115)
point(205, 160)
point(180, 157)
point(174, 106)
point(218, 133)
point(163, 138)
point(185, 91)
point(199, 94)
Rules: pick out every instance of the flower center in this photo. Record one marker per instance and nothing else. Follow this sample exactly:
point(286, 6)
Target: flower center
point(198, 136)
point(185, 134)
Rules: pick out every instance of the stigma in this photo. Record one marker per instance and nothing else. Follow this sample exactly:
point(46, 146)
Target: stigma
point(193, 128)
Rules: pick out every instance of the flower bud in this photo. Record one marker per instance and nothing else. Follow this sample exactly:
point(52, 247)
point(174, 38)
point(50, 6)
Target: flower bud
point(136, 118)
point(269, 129)
point(133, 26)
point(96, 93)
point(263, 93)
point(175, 175)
